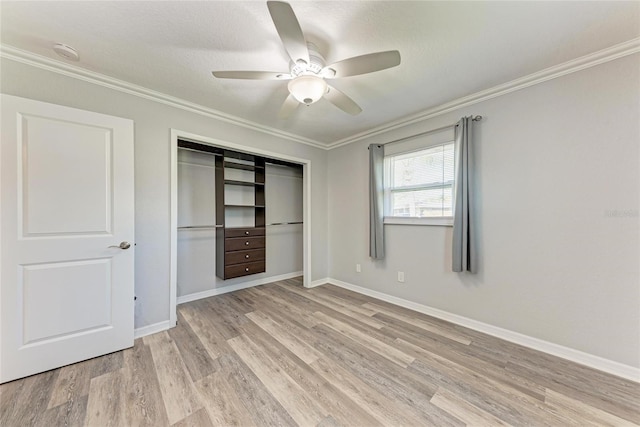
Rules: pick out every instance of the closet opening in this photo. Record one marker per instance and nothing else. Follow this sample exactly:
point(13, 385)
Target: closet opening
point(240, 218)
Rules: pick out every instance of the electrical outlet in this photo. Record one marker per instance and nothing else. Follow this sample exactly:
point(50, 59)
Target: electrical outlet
point(358, 268)
point(401, 276)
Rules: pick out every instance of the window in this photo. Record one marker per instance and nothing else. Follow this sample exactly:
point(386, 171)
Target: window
point(419, 186)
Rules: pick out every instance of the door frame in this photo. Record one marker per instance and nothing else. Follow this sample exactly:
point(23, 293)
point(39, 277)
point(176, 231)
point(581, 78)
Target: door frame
point(173, 217)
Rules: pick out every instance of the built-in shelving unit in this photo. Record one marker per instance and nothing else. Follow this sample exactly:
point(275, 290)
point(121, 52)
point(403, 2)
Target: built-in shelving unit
point(240, 205)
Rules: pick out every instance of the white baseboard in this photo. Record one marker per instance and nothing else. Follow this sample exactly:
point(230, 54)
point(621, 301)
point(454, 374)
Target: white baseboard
point(577, 356)
point(236, 287)
point(152, 329)
point(318, 282)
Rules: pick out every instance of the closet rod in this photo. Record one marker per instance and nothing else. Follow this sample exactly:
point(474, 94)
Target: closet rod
point(284, 223)
point(199, 227)
point(475, 119)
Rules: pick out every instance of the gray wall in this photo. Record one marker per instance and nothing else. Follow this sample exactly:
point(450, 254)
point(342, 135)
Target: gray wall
point(153, 122)
point(196, 251)
point(553, 160)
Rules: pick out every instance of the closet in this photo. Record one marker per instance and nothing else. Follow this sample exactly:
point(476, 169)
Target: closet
point(239, 217)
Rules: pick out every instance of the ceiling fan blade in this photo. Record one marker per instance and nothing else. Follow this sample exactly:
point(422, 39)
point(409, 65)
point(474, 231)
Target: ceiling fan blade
point(362, 64)
point(251, 75)
point(288, 107)
point(289, 30)
point(342, 101)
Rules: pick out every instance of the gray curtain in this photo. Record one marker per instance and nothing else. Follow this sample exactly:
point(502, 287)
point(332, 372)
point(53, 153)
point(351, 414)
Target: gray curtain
point(464, 239)
point(376, 200)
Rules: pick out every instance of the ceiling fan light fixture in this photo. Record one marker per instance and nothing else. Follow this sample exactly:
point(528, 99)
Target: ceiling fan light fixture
point(307, 89)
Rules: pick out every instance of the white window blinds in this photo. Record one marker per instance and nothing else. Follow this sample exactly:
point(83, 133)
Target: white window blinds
point(419, 175)
point(419, 184)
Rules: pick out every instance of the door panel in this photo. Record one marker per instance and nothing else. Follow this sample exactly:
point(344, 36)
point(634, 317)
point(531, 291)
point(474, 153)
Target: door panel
point(67, 203)
point(45, 295)
point(59, 161)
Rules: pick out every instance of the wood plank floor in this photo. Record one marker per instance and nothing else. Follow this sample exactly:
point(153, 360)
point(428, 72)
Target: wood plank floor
point(280, 354)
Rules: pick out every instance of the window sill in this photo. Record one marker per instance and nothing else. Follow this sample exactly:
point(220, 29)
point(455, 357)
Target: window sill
point(398, 220)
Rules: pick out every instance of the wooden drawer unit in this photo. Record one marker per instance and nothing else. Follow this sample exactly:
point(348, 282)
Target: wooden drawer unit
point(244, 232)
point(245, 269)
point(243, 243)
point(244, 251)
point(240, 257)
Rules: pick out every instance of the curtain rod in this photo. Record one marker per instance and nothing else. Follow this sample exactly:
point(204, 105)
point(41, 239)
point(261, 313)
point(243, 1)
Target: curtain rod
point(474, 118)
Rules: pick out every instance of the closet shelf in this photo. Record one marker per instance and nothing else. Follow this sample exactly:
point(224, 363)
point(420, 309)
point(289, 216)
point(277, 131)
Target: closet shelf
point(244, 228)
point(285, 223)
point(242, 166)
point(243, 183)
point(199, 227)
point(244, 206)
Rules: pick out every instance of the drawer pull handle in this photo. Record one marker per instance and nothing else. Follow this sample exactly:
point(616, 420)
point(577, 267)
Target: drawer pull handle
point(246, 256)
point(246, 243)
point(246, 232)
point(246, 269)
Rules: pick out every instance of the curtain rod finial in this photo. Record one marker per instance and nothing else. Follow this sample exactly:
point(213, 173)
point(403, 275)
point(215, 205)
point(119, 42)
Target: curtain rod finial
point(477, 118)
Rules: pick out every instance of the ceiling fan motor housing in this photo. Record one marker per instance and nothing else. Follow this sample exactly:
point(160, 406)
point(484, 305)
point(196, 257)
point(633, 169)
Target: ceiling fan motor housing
point(315, 65)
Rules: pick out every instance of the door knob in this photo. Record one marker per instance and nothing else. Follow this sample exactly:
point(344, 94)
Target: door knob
point(122, 245)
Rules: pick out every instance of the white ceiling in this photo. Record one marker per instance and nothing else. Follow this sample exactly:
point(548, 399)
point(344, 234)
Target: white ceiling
point(449, 49)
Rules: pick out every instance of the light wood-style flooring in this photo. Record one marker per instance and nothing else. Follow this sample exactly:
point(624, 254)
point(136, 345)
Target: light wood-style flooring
point(280, 354)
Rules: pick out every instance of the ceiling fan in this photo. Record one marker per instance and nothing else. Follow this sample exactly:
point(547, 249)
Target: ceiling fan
point(308, 73)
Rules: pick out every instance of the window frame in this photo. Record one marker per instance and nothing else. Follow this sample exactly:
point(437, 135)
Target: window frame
point(446, 221)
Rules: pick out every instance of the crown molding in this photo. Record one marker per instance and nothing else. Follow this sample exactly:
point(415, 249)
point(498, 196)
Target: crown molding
point(600, 57)
point(38, 61)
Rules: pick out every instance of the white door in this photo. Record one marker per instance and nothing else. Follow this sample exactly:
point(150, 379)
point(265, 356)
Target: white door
point(66, 291)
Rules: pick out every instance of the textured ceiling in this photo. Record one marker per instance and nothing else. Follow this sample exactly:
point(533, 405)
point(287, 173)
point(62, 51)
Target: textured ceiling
point(449, 49)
